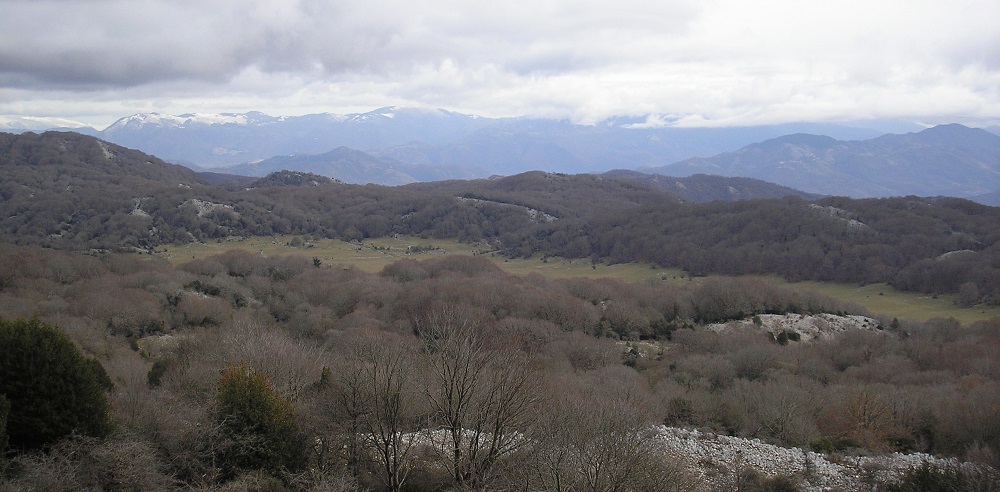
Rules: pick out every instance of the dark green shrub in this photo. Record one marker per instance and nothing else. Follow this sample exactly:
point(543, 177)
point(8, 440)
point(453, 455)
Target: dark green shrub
point(932, 478)
point(155, 375)
point(823, 445)
point(256, 427)
point(52, 389)
point(4, 410)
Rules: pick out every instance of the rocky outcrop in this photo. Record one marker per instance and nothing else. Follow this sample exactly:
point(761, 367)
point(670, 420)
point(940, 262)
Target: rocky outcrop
point(720, 460)
point(808, 327)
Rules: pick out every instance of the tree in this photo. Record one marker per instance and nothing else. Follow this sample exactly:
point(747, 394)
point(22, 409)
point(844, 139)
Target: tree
point(390, 424)
point(53, 390)
point(4, 410)
point(256, 427)
point(481, 396)
point(597, 436)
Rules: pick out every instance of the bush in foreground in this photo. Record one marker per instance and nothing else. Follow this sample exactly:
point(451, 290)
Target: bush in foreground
point(52, 389)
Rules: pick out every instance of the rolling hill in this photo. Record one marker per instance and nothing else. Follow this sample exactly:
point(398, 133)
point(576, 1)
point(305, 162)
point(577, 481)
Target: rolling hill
point(74, 192)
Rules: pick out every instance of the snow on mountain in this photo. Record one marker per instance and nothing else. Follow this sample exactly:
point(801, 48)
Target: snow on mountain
point(141, 120)
point(37, 123)
point(255, 118)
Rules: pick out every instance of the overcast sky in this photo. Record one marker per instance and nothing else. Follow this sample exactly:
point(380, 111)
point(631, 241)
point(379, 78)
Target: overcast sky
point(690, 62)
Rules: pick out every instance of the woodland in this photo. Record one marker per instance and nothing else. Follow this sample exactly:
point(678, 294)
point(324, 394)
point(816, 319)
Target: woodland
point(72, 192)
point(246, 372)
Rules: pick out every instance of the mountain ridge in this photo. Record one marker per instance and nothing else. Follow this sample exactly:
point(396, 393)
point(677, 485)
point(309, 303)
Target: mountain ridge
point(505, 145)
point(948, 160)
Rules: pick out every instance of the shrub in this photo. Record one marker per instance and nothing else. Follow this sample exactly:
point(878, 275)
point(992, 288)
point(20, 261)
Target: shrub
point(256, 427)
point(4, 410)
point(52, 389)
point(932, 478)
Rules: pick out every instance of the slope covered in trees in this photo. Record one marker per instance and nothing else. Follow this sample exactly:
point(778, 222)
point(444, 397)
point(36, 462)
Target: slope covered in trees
point(77, 193)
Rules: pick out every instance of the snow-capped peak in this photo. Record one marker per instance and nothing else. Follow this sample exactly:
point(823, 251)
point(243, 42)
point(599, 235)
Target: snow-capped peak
point(37, 123)
point(191, 119)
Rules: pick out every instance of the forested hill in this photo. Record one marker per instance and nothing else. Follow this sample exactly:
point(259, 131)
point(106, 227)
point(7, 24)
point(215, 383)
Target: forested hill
point(73, 192)
point(78, 160)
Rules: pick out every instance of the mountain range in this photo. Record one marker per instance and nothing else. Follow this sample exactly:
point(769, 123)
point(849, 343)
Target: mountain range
point(394, 146)
point(946, 160)
point(439, 138)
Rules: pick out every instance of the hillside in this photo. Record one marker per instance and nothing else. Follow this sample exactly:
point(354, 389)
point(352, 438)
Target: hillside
point(702, 188)
point(948, 160)
point(68, 190)
point(85, 196)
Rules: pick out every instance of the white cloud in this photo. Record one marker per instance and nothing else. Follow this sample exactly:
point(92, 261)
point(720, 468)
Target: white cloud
point(711, 61)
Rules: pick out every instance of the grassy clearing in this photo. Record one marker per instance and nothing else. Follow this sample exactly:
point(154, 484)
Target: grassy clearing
point(375, 254)
point(884, 299)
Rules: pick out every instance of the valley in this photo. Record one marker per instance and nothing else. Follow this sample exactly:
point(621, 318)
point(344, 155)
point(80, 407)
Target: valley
point(561, 246)
point(635, 319)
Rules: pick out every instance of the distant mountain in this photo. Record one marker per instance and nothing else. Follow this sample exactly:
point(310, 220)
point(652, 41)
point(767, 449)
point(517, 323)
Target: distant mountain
point(703, 188)
point(342, 163)
point(464, 144)
point(992, 199)
point(947, 160)
point(402, 145)
point(213, 140)
point(351, 166)
point(19, 124)
point(511, 146)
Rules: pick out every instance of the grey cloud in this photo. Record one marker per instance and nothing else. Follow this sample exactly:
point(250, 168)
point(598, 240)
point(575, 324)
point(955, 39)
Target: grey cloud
point(122, 43)
point(720, 59)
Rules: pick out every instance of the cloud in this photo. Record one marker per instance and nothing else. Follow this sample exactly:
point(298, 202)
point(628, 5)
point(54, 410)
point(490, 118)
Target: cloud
point(709, 61)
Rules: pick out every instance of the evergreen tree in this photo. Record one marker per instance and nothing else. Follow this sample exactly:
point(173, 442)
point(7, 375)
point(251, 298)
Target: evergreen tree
point(52, 389)
point(4, 410)
point(257, 428)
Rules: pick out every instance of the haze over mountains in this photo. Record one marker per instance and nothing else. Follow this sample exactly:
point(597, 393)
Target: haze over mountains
point(394, 146)
point(949, 160)
point(439, 138)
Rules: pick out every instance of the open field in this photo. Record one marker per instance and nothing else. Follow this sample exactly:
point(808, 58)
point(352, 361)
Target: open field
point(884, 299)
point(375, 254)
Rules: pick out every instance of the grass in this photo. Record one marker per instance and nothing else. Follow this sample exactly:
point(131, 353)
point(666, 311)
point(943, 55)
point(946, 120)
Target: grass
point(375, 254)
point(885, 299)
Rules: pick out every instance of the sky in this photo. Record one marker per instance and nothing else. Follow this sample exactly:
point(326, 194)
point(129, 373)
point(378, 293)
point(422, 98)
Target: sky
point(681, 62)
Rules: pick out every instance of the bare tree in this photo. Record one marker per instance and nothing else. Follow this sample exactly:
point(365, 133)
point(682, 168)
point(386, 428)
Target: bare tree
point(390, 424)
point(379, 406)
point(597, 437)
point(480, 396)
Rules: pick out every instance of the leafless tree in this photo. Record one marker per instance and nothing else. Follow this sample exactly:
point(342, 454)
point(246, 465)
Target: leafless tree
point(597, 437)
point(390, 424)
point(482, 397)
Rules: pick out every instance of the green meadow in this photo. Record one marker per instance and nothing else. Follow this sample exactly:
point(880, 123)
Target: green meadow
point(374, 254)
